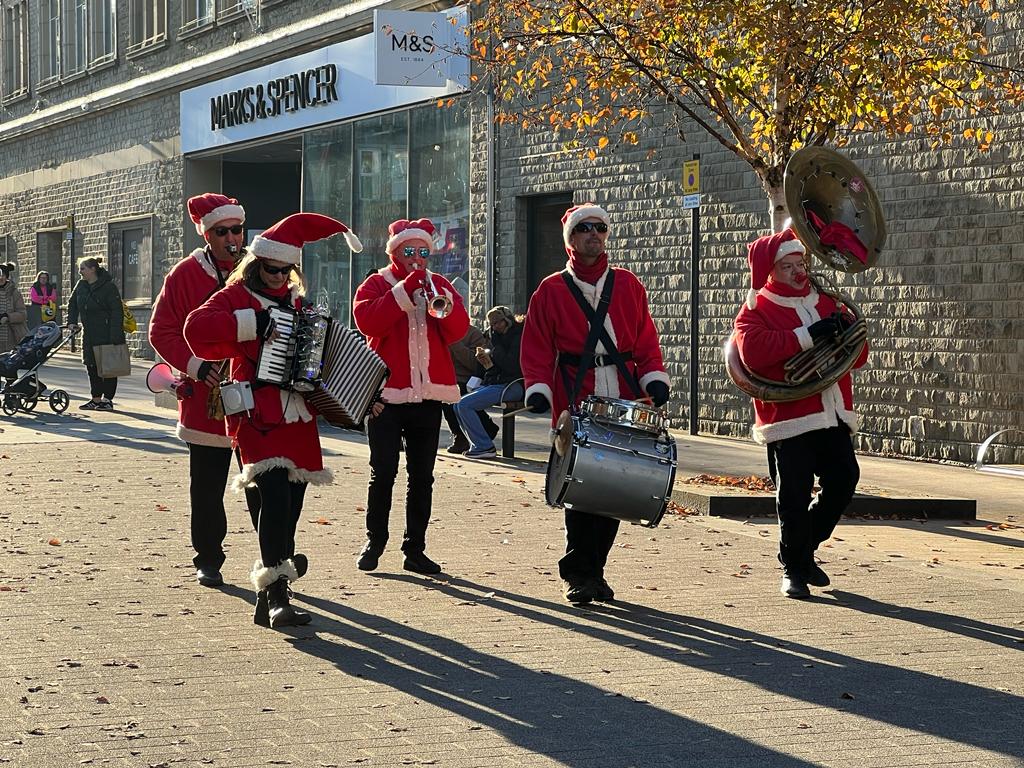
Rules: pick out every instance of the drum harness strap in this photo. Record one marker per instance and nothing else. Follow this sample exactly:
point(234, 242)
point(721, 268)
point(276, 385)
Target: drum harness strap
point(598, 332)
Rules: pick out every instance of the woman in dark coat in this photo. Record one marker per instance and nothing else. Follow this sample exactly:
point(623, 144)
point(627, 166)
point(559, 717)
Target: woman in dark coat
point(96, 304)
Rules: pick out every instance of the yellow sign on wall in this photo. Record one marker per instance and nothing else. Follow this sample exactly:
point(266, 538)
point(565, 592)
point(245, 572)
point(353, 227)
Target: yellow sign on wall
point(691, 177)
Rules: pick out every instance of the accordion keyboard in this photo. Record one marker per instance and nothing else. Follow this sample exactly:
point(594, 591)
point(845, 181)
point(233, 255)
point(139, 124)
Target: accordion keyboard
point(277, 356)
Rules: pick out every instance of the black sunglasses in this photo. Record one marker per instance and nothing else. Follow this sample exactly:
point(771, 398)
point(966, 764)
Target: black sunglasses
point(410, 251)
point(276, 270)
point(221, 231)
point(586, 226)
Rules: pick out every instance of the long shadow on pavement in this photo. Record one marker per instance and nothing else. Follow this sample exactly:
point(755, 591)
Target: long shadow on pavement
point(888, 694)
point(978, 630)
point(567, 720)
point(126, 434)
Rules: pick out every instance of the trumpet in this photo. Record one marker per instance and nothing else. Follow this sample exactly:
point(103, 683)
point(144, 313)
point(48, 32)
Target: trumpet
point(438, 305)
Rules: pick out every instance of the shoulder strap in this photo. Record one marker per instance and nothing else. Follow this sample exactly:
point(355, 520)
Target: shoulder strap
point(597, 331)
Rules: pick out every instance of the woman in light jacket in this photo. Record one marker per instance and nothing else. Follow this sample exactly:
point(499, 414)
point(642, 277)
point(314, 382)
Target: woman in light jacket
point(12, 310)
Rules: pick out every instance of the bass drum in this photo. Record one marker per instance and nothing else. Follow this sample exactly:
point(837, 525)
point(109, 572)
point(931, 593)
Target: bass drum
point(611, 470)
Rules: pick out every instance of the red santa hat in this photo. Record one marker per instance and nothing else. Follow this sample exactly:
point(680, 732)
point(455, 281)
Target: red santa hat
point(762, 255)
point(578, 213)
point(284, 240)
point(403, 230)
point(210, 208)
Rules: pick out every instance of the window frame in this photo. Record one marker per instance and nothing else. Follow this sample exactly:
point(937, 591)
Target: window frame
point(20, 61)
point(122, 224)
point(137, 44)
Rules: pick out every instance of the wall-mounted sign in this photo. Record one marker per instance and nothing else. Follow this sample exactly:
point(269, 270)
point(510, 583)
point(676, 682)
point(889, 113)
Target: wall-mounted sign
point(300, 90)
point(324, 86)
point(421, 49)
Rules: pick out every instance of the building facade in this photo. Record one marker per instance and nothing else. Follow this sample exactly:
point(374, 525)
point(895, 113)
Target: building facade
point(113, 113)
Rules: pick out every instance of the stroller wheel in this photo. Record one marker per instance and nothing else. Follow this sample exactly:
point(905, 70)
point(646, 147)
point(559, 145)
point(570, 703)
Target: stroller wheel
point(28, 404)
point(59, 401)
point(11, 403)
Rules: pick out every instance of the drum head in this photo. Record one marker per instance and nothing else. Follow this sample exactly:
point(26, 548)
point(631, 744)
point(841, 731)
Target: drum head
point(563, 434)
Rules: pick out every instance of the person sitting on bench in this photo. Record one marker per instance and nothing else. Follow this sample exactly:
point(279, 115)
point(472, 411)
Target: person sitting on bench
point(501, 380)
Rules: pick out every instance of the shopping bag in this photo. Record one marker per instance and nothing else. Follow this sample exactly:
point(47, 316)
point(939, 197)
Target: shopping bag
point(48, 311)
point(129, 324)
point(112, 360)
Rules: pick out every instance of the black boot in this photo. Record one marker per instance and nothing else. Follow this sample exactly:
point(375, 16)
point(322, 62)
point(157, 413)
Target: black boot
point(281, 612)
point(261, 617)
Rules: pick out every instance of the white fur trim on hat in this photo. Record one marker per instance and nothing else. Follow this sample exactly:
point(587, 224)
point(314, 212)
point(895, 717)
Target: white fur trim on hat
point(354, 243)
point(788, 247)
point(221, 213)
point(413, 233)
point(272, 249)
point(581, 213)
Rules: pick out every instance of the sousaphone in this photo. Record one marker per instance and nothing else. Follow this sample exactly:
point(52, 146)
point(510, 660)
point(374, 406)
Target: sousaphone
point(836, 215)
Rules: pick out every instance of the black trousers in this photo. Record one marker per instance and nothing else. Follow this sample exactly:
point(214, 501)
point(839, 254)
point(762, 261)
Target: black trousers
point(588, 540)
point(452, 420)
point(100, 387)
point(793, 463)
point(280, 508)
point(208, 468)
point(420, 425)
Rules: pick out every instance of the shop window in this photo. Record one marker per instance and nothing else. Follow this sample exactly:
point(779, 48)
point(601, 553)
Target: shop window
point(439, 186)
point(196, 14)
point(327, 188)
point(15, 50)
point(131, 258)
point(148, 23)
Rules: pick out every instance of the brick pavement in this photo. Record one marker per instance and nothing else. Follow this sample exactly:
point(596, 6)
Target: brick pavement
point(114, 657)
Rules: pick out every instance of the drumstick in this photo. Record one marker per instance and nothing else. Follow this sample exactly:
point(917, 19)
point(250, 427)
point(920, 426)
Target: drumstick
point(513, 413)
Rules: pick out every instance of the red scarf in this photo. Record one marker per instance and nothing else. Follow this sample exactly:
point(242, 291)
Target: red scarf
point(588, 274)
point(781, 289)
point(276, 292)
point(397, 269)
point(225, 266)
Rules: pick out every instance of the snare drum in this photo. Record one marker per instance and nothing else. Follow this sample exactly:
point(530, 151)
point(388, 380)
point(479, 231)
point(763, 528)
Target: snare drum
point(612, 466)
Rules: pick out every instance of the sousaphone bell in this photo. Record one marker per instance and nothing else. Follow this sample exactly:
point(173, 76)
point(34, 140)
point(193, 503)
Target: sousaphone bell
point(836, 215)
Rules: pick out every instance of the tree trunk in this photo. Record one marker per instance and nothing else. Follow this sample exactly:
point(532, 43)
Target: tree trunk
point(777, 207)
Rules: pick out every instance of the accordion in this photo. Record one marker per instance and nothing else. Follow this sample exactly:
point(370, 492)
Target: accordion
point(330, 365)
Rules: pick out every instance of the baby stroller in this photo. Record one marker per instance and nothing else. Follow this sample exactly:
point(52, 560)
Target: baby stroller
point(20, 387)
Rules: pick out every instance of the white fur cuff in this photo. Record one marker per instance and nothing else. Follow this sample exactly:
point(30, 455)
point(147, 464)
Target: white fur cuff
point(246, 319)
point(647, 378)
point(192, 369)
point(540, 388)
point(804, 337)
point(402, 297)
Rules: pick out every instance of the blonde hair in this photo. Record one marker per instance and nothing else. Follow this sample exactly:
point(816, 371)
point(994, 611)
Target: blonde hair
point(247, 272)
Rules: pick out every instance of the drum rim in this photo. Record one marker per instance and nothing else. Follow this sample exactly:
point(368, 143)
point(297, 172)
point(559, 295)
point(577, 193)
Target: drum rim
point(628, 407)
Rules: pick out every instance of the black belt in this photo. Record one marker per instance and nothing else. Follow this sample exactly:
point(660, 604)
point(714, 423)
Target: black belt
point(568, 358)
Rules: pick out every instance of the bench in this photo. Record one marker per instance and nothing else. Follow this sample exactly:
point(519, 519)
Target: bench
point(508, 427)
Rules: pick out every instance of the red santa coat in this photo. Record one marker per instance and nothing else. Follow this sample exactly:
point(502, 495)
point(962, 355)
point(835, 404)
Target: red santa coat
point(766, 337)
point(191, 282)
point(281, 429)
point(412, 343)
point(555, 323)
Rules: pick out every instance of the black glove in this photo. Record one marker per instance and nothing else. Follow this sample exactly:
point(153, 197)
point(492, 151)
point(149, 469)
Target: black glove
point(658, 390)
point(264, 325)
point(824, 328)
point(204, 370)
point(844, 320)
point(3, 315)
point(537, 403)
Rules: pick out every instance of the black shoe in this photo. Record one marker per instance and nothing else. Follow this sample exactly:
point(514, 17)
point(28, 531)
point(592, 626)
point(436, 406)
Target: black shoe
point(794, 586)
point(301, 563)
point(261, 617)
point(281, 612)
point(601, 589)
point(578, 593)
point(369, 557)
point(814, 576)
point(418, 562)
point(459, 445)
point(209, 577)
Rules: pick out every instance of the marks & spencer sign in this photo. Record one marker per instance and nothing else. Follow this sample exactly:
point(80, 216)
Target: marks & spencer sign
point(300, 90)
